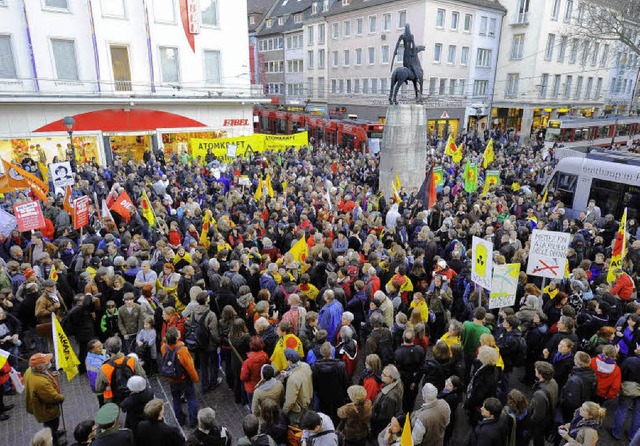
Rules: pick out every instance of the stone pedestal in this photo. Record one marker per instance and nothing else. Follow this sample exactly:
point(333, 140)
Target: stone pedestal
point(404, 147)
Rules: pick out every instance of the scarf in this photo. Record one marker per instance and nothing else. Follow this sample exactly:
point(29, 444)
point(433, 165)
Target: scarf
point(559, 357)
point(578, 423)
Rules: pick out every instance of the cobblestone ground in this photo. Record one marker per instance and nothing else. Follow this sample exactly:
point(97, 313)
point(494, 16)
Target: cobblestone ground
point(80, 405)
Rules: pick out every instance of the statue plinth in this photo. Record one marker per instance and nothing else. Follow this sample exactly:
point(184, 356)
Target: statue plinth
point(404, 147)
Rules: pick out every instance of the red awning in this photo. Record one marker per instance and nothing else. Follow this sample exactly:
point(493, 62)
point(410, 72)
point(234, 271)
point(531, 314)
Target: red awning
point(119, 120)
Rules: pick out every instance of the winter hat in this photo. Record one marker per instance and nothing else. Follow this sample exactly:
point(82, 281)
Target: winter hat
point(29, 273)
point(136, 384)
point(291, 355)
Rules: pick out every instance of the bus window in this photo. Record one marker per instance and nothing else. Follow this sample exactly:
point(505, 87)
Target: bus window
point(623, 130)
point(608, 196)
point(552, 135)
point(564, 187)
point(631, 201)
point(581, 134)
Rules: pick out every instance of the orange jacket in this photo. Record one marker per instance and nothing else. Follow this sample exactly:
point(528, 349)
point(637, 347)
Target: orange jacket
point(185, 360)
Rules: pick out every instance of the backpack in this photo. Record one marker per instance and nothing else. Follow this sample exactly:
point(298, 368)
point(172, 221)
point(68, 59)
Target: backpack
point(521, 353)
point(119, 378)
point(171, 367)
point(385, 349)
point(198, 335)
point(312, 440)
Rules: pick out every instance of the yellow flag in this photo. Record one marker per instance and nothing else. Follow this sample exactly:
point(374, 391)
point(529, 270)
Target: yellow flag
point(66, 358)
point(619, 248)
point(397, 183)
point(544, 197)
point(53, 275)
point(406, 439)
point(44, 172)
point(258, 195)
point(147, 210)
point(300, 250)
point(204, 235)
point(4, 357)
point(269, 186)
point(489, 155)
point(284, 185)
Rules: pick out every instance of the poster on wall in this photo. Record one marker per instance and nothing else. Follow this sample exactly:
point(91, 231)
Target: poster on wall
point(49, 149)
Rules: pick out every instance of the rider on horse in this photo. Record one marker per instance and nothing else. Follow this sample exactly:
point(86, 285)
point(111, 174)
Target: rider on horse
point(408, 44)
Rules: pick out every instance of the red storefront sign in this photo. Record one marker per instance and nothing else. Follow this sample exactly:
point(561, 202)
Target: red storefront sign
point(29, 216)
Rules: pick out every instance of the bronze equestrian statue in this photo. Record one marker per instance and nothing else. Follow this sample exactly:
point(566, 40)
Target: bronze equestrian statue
point(411, 69)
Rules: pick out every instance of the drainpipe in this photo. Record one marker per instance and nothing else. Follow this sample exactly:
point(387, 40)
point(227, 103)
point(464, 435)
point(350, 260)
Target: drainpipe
point(94, 40)
point(31, 52)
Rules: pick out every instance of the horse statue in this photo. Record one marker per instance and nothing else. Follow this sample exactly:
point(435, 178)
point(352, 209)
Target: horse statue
point(404, 74)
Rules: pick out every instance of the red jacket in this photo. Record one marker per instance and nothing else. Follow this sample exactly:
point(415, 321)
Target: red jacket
point(609, 377)
point(250, 371)
point(176, 321)
point(623, 287)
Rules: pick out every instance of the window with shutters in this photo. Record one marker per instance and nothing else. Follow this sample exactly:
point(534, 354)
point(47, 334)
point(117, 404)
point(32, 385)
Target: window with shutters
point(169, 66)
point(7, 63)
point(64, 56)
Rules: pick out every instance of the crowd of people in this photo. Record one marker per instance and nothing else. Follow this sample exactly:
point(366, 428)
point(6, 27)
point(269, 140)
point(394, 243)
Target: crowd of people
point(375, 329)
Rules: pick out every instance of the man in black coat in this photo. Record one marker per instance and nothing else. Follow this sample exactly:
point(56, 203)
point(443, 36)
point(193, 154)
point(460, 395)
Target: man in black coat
point(408, 358)
point(154, 431)
point(581, 386)
point(330, 382)
point(81, 324)
point(109, 433)
point(493, 427)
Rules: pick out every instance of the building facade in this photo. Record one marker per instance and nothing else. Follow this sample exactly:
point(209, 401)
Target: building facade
point(280, 40)
point(547, 69)
point(461, 40)
point(133, 74)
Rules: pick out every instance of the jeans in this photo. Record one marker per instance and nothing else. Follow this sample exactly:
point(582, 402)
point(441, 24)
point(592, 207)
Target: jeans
point(626, 404)
point(189, 390)
point(209, 364)
point(53, 425)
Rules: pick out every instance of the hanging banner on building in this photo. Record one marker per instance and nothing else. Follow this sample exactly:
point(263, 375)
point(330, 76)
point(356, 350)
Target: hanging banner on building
point(61, 176)
point(504, 285)
point(482, 264)
point(28, 215)
point(81, 212)
point(247, 146)
point(548, 254)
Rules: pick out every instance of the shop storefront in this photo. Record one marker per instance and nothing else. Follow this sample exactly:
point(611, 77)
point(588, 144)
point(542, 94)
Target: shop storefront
point(506, 118)
point(52, 148)
point(442, 128)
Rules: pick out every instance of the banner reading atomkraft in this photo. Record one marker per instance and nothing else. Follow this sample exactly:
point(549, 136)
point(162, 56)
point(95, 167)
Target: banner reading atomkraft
point(246, 146)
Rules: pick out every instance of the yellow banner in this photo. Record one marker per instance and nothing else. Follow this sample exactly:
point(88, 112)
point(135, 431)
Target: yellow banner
point(245, 146)
point(66, 358)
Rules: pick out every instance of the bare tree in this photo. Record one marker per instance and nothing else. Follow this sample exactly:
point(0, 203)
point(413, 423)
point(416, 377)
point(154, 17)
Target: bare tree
point(611, 20)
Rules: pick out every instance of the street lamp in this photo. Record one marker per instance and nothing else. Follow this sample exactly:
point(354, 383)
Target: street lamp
point(69, 122)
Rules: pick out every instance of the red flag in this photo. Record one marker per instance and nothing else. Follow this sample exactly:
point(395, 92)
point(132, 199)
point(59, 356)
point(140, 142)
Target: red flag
point(123, 205)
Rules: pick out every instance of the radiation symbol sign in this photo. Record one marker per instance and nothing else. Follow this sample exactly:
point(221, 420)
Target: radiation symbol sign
point(482, 262)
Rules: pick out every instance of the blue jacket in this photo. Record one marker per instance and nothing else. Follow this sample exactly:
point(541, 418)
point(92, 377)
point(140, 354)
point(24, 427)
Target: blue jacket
point(330, 319)
point(93, 364)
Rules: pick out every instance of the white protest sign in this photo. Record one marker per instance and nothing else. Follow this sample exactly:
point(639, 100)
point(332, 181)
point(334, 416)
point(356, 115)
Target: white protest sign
point(61, 176)
point(548, 254)
point(232, 150)
point(482, 264)
point(504, 285)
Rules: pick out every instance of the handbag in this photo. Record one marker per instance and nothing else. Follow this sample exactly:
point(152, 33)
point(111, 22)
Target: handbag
point(44, 330)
